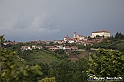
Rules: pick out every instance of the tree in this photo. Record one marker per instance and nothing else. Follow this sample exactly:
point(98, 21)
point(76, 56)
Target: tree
point(13, 68)
point(87, 47)
point(119, 36)
point(60, 51)
point(107, 63)
point(26, 54)
point(69, 71)
point(80, 46)
point(89, 37)
point(62, 72)
point(82, 67)
point(1, 46)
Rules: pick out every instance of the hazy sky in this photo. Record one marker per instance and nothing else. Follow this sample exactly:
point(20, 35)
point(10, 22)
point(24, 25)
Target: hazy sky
point(25, 20)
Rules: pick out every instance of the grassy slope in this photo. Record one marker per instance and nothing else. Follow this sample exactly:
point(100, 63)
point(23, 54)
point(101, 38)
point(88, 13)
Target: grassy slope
point(80, 55)
point(43, 57)
point(47, 57)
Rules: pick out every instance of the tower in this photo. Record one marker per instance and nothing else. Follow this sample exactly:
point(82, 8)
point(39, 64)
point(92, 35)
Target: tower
point(75, 35)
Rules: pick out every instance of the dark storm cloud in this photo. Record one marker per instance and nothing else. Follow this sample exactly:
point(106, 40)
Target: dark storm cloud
point(24, 20)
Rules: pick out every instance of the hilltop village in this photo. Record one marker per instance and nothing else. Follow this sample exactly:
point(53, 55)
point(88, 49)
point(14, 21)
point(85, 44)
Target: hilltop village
point(97, 36)
point(66, 60)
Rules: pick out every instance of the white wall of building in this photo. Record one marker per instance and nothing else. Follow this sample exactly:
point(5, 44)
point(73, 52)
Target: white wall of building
point(105, 34)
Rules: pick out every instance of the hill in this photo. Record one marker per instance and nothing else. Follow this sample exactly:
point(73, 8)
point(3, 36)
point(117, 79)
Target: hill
point(42, 57)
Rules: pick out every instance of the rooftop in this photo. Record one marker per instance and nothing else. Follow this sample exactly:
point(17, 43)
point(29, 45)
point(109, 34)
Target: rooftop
point(101, 31)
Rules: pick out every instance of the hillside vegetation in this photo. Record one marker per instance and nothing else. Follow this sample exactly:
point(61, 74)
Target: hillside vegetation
point(106, 60)
point(43, 57)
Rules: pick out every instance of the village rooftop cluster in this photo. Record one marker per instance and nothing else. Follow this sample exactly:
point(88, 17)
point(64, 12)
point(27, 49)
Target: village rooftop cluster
point(96, 37)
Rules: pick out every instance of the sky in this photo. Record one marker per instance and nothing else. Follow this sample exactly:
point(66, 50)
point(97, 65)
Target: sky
point(26, 20)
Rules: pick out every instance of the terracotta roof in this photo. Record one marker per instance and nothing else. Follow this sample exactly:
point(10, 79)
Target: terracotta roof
point(67, 37)
point(101, 31)
point(70, 39)
point(58, 40)
point(25, 46)
point(67, 47)
point(81, 35)
point(74, 47)
point(49, 46)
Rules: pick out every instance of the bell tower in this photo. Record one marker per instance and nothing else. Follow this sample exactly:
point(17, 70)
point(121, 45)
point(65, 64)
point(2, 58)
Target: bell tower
point(75, 35)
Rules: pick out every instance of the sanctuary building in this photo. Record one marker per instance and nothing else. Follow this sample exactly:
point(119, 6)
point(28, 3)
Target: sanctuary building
point(102, 33)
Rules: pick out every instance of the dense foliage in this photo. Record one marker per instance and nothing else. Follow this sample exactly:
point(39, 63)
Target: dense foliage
point(107, 63)
point(13, 68)
point(69, 71)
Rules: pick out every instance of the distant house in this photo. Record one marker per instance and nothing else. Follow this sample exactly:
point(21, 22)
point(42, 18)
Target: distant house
point(26, 48)
point(39, 47)
point(71, 41)
point(70, 48)
point(52, 48)
point(66, 48)
point(48, 42)
point(38, 41)
point(89, 42)
point(68, 39)
point(33, 47)
point(60, 46)
point(74, 48)
point(11, 43)
point(35, 41)
point(36, 47)
point(102, 33)
point(59, 41)
point(43, 42)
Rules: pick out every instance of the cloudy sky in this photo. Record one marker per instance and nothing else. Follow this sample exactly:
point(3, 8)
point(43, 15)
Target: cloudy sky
point(25, 20)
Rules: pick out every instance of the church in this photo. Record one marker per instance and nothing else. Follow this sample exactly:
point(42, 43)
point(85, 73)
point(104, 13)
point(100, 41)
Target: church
point(79, 37)
point(76, 38)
